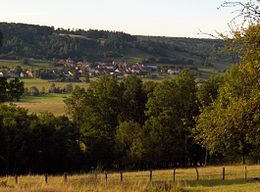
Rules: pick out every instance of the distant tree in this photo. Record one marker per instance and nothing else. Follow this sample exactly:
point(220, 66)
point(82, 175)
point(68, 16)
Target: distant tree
point(68, 88)
point(3, 89)
point(18, 70)
point(26, 61)
point(52, 88)
point(1, 39)
point(86, 75)
point(34, 91)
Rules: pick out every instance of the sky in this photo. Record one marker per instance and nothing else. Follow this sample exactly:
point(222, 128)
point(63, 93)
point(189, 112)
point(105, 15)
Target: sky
point(175, 18)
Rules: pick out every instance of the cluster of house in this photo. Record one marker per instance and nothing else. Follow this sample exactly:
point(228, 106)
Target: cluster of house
point(12, 73)
point(73, 70)
point(118, 68)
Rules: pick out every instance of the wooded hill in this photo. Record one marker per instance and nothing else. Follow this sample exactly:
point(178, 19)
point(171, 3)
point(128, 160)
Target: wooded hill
point(43, 42)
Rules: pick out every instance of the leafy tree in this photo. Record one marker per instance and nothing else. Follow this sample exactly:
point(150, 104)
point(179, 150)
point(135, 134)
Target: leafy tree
point(11, 90)
point(18, 70)
point(129, 143)
point(208, 91)
point(34, 91)
point(3, 89)
point(134, 100)
point(1, 39)
point(95, 113)
point(171, 111)
point(16, 89)
point(68, 88)
point(229, 124)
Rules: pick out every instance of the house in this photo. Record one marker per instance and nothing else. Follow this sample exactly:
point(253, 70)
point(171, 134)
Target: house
point(29, 74)
point(173, 71)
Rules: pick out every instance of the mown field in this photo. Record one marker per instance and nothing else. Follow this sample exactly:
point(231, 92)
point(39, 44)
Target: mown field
point(210, 179)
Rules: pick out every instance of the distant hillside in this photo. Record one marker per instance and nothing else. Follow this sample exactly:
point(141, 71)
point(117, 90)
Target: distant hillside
point(42, 42)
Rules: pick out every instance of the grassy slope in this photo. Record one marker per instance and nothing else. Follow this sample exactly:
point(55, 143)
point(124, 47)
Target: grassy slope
point(210, 180)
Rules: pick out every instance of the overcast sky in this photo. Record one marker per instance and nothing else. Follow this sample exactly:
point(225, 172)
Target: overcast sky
point(179, 18)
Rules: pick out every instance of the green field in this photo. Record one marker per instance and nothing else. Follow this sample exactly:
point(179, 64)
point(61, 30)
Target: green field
point(39, 83)
point(47, 103)
point(35, 64)
point(210, 180)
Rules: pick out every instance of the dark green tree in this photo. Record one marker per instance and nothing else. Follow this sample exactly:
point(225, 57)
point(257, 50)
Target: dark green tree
point(3, 89)
point(95, 112)
point(171, 109)
point(1, 39)
point(15, 89)
point(134, 100)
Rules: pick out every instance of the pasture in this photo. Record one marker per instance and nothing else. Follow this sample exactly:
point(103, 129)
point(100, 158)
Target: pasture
point(46, 103)
point(186, 180)
point(40, 83)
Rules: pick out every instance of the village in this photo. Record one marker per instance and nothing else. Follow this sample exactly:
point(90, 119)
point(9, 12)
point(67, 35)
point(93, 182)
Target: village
point(69, 70)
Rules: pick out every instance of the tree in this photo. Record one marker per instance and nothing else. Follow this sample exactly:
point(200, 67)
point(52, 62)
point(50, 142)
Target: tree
point(129, 143)
point(13, 89)
point(95, 112)
point(34, 91)
point(171, 109)
point(208, 91)
point(1, 39)
point(229, 125)
point(134, 100)
point(16, 89)
point(68, 88)
point(3, 89)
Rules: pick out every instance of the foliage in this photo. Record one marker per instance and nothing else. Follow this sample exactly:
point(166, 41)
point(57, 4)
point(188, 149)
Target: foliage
point(43, 143)
point(1, 39)
point(11, 90)
point(229, 123)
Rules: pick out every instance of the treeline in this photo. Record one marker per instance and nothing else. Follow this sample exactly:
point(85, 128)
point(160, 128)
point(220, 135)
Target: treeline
point(42, 42)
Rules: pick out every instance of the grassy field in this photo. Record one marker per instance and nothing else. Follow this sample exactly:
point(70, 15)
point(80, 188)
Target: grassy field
point(210, 179)
point(35, 64)
point(47, 103)
point(40, 83)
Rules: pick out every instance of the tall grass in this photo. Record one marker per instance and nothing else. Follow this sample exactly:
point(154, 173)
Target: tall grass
point(186, 180)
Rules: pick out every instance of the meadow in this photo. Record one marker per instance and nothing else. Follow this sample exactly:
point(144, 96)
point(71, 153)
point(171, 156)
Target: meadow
point(48, 102)
point(45, 103)
point(210, 179)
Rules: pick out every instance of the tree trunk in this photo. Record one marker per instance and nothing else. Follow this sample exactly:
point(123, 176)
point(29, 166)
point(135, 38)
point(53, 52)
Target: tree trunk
point(206, 157)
